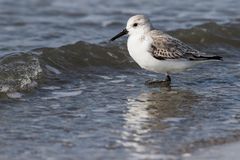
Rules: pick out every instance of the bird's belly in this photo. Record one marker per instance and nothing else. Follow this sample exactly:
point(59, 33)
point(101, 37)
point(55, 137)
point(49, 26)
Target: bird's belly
point(145, 60)
point(170, 66)
point(163, 66)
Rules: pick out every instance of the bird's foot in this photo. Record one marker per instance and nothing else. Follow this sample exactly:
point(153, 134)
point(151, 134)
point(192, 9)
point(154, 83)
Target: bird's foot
point(158, 83)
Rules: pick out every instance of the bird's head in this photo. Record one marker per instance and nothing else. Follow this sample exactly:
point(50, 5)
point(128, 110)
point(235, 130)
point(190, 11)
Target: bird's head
point(138, 24)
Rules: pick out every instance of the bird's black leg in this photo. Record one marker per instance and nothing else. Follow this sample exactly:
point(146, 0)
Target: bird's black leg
point(158, 83)
point(168, 78)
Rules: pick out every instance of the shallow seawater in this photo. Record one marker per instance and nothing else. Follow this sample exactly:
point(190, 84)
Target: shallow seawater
point(89, 101)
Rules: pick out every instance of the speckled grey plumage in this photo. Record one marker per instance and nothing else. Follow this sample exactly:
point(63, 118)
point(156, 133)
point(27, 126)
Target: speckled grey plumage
point(166, 47)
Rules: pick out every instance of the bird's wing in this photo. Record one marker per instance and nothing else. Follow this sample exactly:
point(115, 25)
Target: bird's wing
point(165, 47)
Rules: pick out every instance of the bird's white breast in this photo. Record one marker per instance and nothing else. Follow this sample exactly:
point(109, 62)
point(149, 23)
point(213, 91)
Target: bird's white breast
point(138, 47)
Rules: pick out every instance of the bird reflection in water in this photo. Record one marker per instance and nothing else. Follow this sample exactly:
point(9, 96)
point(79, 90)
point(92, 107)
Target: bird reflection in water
point(150, 112)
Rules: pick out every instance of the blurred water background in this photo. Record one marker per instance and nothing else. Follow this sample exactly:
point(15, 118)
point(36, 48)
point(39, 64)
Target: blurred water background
point(66, 93)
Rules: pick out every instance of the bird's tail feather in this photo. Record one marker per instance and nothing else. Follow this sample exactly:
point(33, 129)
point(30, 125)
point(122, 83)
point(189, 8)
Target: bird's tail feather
point(200, 58)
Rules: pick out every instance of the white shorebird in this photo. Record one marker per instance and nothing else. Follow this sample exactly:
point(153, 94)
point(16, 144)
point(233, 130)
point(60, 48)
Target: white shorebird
point(159, 52)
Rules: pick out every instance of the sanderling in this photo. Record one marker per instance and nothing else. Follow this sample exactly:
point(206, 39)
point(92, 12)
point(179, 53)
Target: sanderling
point(159, 52)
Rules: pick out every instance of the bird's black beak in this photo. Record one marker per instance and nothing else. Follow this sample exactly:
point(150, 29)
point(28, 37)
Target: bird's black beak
point(119, 34)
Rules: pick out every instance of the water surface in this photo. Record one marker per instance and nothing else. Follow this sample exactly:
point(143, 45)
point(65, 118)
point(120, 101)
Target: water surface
point(66, 93)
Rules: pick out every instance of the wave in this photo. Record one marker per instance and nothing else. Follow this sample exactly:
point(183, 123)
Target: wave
point(19, 72)
point(82, 54)
point(211, 33)
point(22, 71)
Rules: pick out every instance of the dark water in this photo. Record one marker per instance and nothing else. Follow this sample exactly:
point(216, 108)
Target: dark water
point(87, 99)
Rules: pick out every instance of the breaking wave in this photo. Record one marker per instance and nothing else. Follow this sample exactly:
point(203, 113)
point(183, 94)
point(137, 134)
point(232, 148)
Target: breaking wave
point(22, 71)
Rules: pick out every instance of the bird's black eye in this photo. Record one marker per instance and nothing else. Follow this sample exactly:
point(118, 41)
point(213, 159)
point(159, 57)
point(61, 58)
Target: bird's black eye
point(135, 25)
